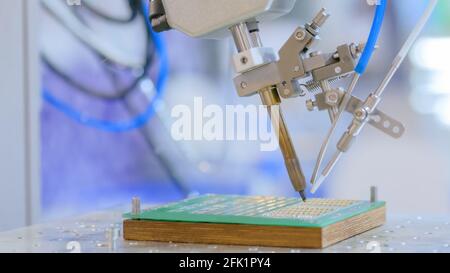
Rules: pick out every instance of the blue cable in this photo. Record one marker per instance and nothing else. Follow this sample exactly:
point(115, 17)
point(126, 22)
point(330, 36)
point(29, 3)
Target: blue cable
point(161, 50)
point(138, 121)
point(373, 38)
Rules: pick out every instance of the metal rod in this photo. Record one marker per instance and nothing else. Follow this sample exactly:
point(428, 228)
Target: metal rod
point(241, 36)
point(270, 97)
point(407, 46)
point(324, 148)
point(333, 111)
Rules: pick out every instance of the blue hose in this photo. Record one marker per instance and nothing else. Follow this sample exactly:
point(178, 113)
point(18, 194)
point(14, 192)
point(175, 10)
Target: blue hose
point(373, 38)
point(138, 121)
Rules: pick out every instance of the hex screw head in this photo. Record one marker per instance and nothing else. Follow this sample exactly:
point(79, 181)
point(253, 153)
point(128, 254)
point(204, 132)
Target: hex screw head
point(300, 35)
point(332, 98)
point(360, 114)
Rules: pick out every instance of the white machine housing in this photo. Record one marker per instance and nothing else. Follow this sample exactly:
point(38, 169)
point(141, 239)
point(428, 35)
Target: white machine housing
point(212, 18)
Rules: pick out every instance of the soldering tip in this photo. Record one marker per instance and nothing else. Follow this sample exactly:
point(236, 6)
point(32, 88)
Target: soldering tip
point(317, 184)
point(302, 195)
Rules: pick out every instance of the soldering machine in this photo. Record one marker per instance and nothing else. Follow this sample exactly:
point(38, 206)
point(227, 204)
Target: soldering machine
point(294, 70)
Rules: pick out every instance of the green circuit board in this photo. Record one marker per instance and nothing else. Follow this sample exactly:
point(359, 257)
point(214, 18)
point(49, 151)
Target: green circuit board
point(257, 210)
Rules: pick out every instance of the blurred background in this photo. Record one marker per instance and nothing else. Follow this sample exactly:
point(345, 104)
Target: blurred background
point(105, 124)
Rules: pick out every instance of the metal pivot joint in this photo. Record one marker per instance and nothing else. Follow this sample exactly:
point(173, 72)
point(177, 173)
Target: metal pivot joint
point(360, 110)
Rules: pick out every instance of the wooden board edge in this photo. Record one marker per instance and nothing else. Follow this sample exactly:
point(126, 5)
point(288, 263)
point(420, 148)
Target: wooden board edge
point(354, 226)
point(223, 234)
point(253, 235)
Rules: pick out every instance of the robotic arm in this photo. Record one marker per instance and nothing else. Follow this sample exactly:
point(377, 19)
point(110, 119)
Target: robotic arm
point(290, 73)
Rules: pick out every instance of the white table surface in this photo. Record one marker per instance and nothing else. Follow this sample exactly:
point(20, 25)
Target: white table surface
point(101, 232)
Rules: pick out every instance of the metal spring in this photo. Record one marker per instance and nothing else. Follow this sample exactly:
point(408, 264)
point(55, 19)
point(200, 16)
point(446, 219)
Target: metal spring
point(314, 87)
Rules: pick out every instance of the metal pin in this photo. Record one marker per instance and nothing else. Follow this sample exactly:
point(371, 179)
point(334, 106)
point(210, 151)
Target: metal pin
point(373, 194)
point(320, 18)
point(136, 206)
point(112, 235)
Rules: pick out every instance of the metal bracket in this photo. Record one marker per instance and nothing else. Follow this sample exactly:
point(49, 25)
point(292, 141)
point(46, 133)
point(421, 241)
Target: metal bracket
point(377, 119)
point(336, 67)
point(253, 58)
point(290, 65)
point(257, 72)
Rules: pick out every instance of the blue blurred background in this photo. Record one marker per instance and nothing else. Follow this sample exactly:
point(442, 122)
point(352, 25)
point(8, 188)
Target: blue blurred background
point(92, 158)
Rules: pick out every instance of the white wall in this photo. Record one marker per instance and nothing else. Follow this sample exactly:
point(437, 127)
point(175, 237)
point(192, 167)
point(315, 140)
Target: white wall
point(19, 114)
